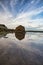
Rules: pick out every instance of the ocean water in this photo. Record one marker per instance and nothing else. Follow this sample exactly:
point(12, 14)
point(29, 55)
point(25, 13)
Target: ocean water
point(26, 49)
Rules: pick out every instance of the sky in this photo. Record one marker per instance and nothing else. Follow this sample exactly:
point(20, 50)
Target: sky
point(28, 13)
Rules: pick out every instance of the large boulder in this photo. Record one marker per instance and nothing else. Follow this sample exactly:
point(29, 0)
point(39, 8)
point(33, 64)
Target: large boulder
point(20, 35)
point(20, 29)
point(20, 32)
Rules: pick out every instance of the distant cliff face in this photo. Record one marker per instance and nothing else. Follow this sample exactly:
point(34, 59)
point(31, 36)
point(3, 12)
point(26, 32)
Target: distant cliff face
point(20, 29)
point(2, 26)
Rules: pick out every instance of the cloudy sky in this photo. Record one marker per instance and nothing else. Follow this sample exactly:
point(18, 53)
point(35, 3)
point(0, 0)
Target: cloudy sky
point(28, 13)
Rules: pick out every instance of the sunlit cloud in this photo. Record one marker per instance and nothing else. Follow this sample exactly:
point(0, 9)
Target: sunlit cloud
point(21, 14)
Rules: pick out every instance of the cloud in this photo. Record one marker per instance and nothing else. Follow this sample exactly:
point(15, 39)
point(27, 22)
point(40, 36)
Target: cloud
point(12, 22)
point(29, 6)
point(31, 13)
point(12, 4)
point(5, 9)
point(5, 18)
point(22, 18)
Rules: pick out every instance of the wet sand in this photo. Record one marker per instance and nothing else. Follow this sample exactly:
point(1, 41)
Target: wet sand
point(16, 52)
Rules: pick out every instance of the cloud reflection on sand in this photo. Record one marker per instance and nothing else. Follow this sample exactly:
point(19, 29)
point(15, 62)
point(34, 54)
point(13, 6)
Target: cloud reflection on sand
point(28, 51)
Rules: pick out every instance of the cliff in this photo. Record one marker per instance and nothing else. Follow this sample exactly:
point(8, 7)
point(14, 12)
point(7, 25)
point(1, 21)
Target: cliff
point(2, 26)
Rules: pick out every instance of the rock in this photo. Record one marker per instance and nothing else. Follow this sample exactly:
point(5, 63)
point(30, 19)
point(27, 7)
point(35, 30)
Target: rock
point(3, 26)
point(20, 29)
point(20, 32)
point(20, 36)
